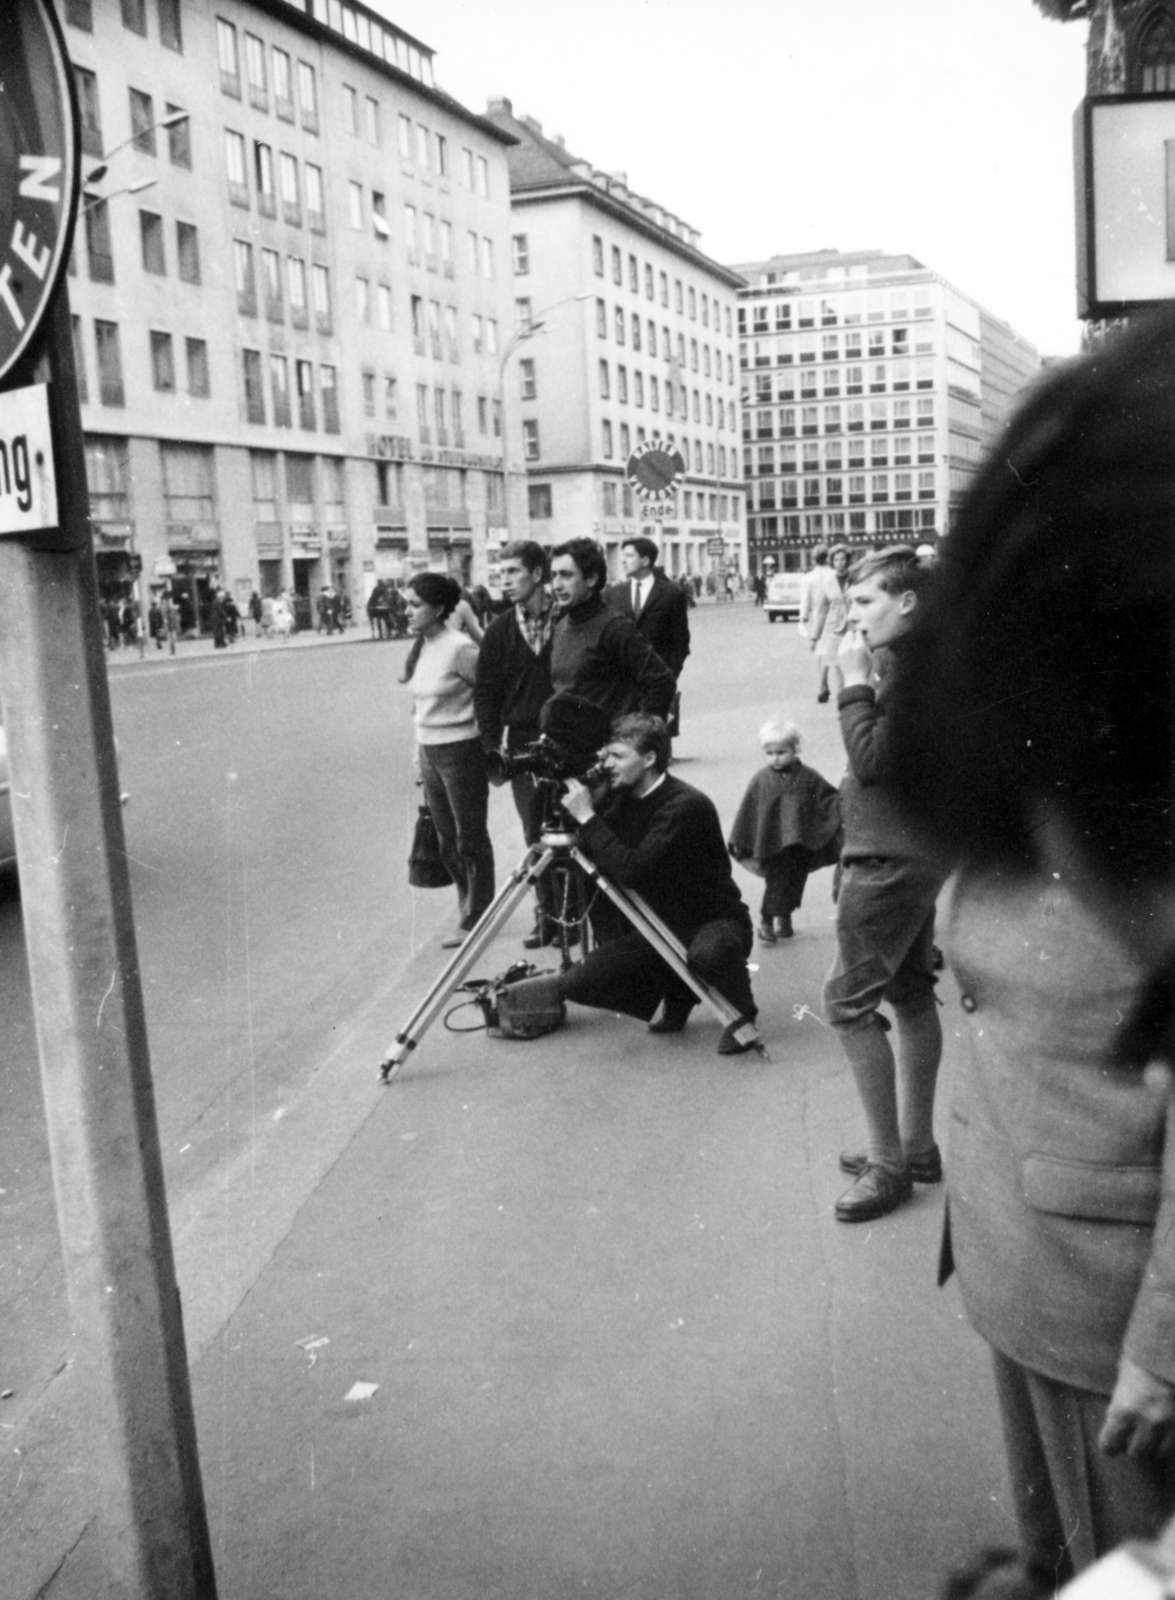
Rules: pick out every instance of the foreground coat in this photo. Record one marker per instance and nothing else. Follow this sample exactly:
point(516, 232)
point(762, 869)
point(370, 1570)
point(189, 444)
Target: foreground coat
point(1061, 1166)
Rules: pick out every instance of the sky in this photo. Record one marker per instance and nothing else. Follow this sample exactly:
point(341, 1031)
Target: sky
point(937, 128)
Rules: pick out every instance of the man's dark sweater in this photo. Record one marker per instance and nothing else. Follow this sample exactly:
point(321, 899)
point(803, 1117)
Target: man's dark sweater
point(513, 683)
point(669, 847)
point(600, 656)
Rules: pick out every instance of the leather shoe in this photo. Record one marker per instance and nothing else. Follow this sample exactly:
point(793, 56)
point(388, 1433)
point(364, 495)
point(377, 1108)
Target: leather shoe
point(674, 1016)
point(540, 937)
point(924, 1168)
point(455, 940)
point(766, 933)
point(876, 1192)
point(730, 1044)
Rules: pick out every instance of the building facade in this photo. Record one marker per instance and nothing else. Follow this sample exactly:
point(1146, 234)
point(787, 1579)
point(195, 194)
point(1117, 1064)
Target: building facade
point(624, 334)
point(871, 389)
point(289, 285)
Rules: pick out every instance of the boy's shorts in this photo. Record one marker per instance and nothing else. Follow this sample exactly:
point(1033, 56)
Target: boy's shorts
point(884, 936)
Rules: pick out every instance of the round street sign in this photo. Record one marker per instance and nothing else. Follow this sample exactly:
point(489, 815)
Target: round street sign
point(38, 169)
point(655, 471)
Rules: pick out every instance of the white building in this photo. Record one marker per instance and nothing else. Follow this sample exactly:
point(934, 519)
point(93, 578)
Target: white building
point(624, 334)
point(871, 389)
point(291, 288)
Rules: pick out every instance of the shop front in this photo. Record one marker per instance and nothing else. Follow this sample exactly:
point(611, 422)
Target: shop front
point(197, 574)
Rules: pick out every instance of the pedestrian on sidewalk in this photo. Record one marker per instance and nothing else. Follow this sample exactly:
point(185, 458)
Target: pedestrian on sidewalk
point(1033, 740)
point(828, 620)
point(889, 883)
point(442, 670)
point(787, 825)
point(513, 684)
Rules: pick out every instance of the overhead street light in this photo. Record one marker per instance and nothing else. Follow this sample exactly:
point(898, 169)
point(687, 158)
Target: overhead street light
point(171, 120)
point(130, 188)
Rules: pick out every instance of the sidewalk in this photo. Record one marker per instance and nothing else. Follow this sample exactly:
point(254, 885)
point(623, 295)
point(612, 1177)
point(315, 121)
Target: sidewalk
point(619, 1347)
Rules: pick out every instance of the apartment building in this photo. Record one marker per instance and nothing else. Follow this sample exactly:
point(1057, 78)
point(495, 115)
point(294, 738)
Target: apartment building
point(623, 335)
point(871, 389)
point(290, 290)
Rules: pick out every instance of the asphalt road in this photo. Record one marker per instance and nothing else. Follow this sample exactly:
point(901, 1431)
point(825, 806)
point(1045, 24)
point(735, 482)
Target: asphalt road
point(621, 1346)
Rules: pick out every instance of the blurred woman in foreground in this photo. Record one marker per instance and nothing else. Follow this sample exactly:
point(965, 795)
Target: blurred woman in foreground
point(1034, 736)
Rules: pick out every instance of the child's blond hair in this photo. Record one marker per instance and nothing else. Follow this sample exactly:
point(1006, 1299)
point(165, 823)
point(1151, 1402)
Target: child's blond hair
point(781, 730)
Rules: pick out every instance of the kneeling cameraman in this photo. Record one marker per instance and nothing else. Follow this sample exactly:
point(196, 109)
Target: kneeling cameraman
point(662, 838)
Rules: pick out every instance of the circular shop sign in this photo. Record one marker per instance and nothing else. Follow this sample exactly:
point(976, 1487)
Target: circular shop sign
point(38, 169)
point(655, 471)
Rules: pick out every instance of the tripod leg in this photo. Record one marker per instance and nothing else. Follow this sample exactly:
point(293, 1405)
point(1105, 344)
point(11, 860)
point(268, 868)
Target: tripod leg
point(671, 951)
point(530, 869)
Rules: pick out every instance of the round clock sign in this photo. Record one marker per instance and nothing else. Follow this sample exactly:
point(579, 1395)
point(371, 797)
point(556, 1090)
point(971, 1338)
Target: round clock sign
point(38, 169)
point(655, 471)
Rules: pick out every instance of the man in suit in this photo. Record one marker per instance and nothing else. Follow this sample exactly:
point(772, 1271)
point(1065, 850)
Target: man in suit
point(657, 606)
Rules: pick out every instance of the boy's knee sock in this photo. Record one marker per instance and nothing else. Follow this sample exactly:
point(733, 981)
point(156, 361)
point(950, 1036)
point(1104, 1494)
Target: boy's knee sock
point(872, 1061)
point(919, 1054)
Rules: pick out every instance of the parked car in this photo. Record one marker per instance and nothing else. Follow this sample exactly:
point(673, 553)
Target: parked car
point(783, 596)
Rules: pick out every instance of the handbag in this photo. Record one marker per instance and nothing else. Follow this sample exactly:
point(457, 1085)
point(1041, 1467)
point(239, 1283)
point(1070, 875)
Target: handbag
point(426, 870)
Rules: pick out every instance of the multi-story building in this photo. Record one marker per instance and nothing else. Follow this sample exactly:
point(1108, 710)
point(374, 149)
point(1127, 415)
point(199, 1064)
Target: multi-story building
point(290, 291)
point(623, 335)
point(871, 388)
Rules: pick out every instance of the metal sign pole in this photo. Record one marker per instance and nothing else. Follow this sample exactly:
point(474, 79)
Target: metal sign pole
point(128, 1374)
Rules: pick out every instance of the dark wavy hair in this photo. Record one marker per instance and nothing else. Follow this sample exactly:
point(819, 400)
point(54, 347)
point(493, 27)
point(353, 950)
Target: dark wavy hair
point(1038, 672)
point(441, 592)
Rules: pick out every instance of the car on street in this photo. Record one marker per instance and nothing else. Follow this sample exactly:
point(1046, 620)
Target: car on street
point(783, 596)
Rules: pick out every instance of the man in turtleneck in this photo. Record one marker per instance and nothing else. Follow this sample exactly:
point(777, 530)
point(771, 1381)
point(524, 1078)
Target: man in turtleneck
point(598, 655)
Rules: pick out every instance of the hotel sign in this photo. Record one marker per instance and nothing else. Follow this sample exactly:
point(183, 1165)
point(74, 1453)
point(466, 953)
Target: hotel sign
point(38, 170)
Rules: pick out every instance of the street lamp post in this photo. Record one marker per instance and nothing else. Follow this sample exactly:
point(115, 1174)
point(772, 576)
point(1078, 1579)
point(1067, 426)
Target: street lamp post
point(172, 120)
point(534, 325)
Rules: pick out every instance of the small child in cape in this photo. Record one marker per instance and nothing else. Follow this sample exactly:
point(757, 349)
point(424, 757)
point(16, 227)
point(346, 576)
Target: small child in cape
point(787, 826)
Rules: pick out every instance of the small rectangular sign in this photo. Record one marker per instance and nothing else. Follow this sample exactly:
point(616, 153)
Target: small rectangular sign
point(28, 483)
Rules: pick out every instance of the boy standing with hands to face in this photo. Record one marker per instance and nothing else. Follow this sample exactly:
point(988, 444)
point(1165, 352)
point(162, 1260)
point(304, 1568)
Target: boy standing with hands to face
point(885, 913)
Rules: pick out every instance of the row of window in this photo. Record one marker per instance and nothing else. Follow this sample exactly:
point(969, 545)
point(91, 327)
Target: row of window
point(292, 188)
point(617, 499)
point(80, 14)
point(188, 473)
point(677, 396)
point(837, 310)
point(855, 490)
point(833, 454)
point(271, 69)
point(807, 383)
point(917, 411)
point(266, 68)
point(710, 507)
point(762, 531)
point(162, 356)
point(274, 280)
point(626, 330)
point(143, 123)
point(857, 343)
point(686, 300)
point(284, 398)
